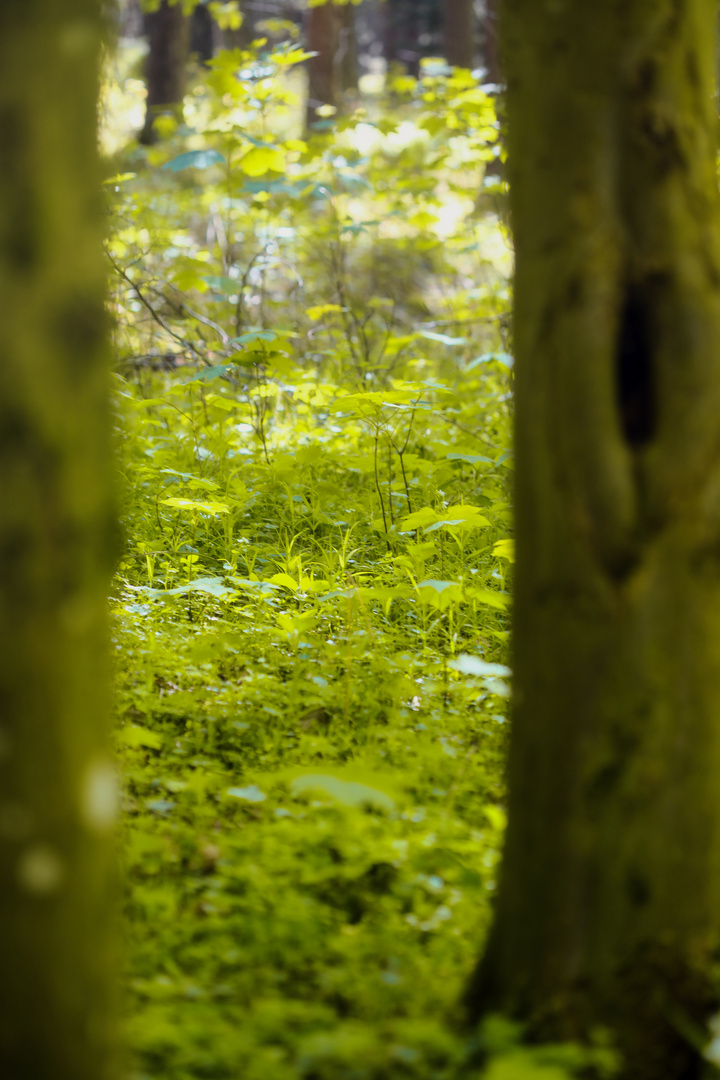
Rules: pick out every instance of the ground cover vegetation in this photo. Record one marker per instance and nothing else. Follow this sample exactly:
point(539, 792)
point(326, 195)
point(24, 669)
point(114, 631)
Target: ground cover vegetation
point(314, 381)
point(314, 396)
point(313, 404)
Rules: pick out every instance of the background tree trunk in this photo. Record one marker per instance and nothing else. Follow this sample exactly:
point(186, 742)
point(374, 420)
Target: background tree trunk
point(167, 31)
point(609, 904)
point(57, 793)
point(244, 37)
point(348, 61)
point(412, 30)
point(322, 28)
point(459, 33)
point(402, 33)
point(491, 52)
point(203, 34)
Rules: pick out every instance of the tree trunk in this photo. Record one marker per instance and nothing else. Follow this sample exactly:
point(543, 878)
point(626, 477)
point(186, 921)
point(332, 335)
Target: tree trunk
point(491, 53)
point(245, 35)
point(459, 33)
point(347, 56)
point(403, 28)
point(167, 31)
point(202, 34)
point(322, 38)
point(57, 793)
point(609, 903)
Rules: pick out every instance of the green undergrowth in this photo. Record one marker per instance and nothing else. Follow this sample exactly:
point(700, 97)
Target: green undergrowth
point(312, 732)
point(313, 400)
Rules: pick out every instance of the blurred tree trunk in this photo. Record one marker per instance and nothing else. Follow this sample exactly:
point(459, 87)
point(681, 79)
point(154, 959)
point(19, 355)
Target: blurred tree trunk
point(322, 37)
point(609, 898)
point(347, 57)
point(412, 30)
point(168, 35)
point(491, 52)
point(202, 34)
point(245, 35)
point(402, 33)
point(459, 33)
point(57, 794)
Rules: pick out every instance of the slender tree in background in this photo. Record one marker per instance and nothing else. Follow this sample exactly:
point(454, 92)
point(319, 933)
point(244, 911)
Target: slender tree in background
point(244, 36)
point(459, 33)
point(347, 59)
point(401, 34)
point(412, 30)
point(202, 34)
point(609, 905)
point(322, 37)
point(491, 55)
point(57, 794)
point(168, 35)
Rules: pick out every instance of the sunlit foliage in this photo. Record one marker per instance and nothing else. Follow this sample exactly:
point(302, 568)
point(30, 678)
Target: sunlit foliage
point(313, 399)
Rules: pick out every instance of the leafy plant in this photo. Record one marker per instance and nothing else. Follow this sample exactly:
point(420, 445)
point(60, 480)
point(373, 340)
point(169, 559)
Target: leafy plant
point(313, 397)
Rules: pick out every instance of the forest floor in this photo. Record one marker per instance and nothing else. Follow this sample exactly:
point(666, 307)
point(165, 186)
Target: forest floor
point(310, 616)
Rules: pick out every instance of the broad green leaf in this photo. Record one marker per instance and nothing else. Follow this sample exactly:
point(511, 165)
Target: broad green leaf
point(195, 159)
point(208, 374)
point(221, 283)
point(458, 524)
point(498, 357)
point(254, 335)
point(134, 735)
point(213, 508)
point(347, 792)
point(210, 586)
point(433, 335)
point(316, 313)
point(496, 816)
point(437, 586)
point(285, 580)
point(504, 549)
point(475, 665)
point(471, 459)
point(192, 481)
point(262, 159)
point(420, 519)
point(497, 686)
point(226, 14)
point(439, 594)
point(251, 793)
point(491, 597)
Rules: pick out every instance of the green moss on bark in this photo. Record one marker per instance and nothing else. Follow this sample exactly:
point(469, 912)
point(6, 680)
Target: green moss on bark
point(609, 900)
point(56, 528)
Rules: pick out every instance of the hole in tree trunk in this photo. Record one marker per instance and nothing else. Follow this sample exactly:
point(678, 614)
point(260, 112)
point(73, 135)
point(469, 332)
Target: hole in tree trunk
point(635, 375)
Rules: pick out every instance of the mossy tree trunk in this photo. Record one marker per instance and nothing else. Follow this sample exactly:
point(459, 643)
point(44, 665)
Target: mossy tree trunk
point(609, 903)
point(459, 33)
point(57, 792)
point(168, 34)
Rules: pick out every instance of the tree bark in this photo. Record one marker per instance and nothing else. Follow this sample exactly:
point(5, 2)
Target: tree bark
point(491, 52)
point(347, 57)
point(167, 31)
point(57, 792)
point(609, 901)
point(322, 37)
point(459, 33)
point(401, 33)
point(244, 37)
point(202, 34)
